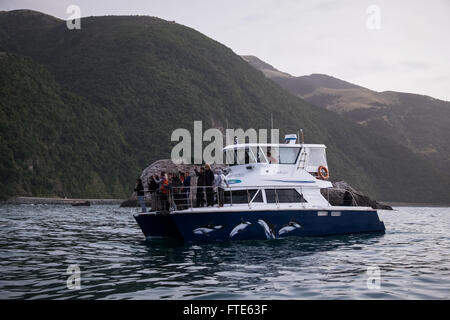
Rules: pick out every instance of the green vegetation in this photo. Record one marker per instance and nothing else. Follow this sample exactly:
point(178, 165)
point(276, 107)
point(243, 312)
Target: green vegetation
point(418, 122)
point(82, 112)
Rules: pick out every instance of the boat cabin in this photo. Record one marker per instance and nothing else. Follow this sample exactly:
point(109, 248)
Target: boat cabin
point(308, 157)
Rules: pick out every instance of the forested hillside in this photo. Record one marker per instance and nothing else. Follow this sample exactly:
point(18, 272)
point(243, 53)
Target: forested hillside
point(82, 112)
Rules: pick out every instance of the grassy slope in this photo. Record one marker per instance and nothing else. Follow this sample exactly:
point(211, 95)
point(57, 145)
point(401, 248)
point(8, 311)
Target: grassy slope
point(122, 84)
point(416, 121)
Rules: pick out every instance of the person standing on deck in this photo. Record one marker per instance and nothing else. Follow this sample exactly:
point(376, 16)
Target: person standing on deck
point(200, 187)
point(163, 183)
point(169, 190)
point(187, 188)
point(152, 187)
point(139, 189)
point(176, 184)
point(271, 159)
point(220, 183)
point(209, 183)
point(181, 175)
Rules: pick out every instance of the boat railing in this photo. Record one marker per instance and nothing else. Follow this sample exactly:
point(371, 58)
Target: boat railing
point(354, 203)
point(182, 198)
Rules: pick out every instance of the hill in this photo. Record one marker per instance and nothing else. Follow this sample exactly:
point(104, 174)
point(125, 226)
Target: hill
point(418, 122)
point(82, 112)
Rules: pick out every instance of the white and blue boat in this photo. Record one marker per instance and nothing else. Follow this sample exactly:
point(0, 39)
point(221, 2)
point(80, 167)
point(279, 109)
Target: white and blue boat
point(267, 198)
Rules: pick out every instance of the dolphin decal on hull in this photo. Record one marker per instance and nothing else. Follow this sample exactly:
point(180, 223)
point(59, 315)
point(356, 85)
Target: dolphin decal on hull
point(207, 229)
point(290, 226)
point(267, 230)
point(239, 228)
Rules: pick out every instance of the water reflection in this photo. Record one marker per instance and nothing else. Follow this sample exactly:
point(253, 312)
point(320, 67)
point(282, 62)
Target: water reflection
point(39, 243)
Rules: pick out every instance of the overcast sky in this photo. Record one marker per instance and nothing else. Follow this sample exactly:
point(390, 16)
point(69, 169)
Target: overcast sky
point(409, 52)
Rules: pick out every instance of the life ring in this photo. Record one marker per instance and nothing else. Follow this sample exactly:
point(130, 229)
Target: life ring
point(323, 173)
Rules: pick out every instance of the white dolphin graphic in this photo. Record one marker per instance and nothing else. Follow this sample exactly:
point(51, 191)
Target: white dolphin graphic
point(207, 229)
point(290, 226)
point(239, 228)
point(267, 230)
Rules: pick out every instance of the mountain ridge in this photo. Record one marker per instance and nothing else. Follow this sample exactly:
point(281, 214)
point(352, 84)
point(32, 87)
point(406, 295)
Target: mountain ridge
point(97, 105)
point(417, 121)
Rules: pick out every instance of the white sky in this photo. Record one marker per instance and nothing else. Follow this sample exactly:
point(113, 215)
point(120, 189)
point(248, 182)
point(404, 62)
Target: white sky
point(410, 53)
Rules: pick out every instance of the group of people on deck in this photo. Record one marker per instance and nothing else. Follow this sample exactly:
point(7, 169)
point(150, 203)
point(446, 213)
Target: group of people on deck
point(207, 182)
point(169, 190)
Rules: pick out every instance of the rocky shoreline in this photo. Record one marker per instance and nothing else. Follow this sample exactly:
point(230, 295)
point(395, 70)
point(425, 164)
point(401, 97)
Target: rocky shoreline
point(336, 197)
point(61, 201)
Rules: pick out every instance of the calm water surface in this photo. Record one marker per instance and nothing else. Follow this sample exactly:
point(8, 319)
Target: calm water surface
point(38, 243)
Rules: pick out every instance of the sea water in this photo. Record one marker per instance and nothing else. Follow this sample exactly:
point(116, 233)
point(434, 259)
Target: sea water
point(99, 252)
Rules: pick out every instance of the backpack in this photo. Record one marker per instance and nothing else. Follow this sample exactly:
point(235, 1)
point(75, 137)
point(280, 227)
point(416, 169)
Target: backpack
point(163, 188)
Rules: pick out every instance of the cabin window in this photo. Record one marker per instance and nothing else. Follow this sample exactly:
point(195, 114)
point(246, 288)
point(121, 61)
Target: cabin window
point(259, 154)
point(241, 196)
point(231, 157)
point(284, 196)
point(245, 155)
point(289, 155)
point(316, 157)
point(258, 197)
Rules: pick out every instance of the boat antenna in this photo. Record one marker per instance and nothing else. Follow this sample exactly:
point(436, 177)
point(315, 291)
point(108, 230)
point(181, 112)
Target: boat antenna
point(303, 137)
point(226, 131)
point(271, 122)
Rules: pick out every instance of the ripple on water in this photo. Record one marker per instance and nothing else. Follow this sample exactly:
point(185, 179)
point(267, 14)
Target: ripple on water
point(38, 243)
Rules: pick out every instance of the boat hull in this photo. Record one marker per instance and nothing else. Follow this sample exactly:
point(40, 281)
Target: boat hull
point(157, 225)
point(258, 225)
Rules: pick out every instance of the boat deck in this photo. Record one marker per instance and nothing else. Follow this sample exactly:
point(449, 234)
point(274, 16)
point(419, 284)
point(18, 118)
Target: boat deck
point(263, 207)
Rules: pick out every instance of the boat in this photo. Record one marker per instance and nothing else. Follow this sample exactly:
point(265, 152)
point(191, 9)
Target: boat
point(273, 192)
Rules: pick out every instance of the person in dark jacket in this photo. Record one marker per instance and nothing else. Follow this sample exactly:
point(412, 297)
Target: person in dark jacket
point(177, 195)
point(200, 187)
point(139, 189)
point(209, 184)
point(187, 188)
point(152, 187)
point(163, 191)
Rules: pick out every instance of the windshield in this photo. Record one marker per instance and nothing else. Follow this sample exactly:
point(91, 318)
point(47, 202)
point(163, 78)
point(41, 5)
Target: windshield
point(245, 155)
point(255, 154)
point(283, 155)
point(288, 155)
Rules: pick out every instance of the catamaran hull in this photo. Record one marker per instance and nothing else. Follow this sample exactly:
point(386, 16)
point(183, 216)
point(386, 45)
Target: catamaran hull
point(258, 225)
point(157, 225)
